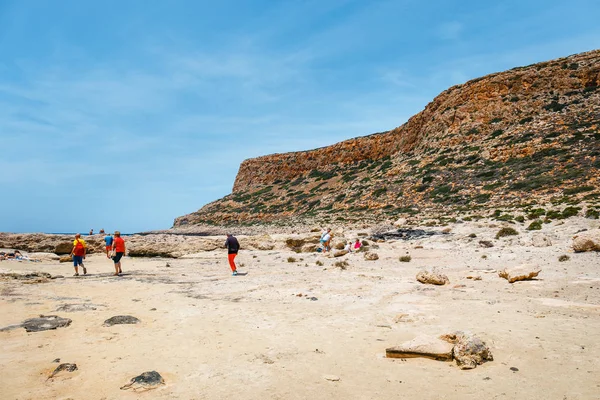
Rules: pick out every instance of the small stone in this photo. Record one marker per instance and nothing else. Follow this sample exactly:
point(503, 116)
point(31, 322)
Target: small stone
point(514, 369)
point(121, 319)
point(331, 378)
point(486, 243)
point(56, 360)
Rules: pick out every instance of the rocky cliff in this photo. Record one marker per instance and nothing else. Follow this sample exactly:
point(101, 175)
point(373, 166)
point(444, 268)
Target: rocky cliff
point(516, 138)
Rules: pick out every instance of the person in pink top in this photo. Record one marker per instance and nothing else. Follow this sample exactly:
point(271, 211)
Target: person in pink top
point(357, 244)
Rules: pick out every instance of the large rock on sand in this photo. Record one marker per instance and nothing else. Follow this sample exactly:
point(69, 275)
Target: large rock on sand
point(587, 241)
point(469, 351)
point(521, 273)
point(370, 256)
point(146, 381)
point(422, 346)
point(432, 278)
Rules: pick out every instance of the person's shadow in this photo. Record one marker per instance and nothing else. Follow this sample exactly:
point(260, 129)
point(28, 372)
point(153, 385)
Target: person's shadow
point(242, 273)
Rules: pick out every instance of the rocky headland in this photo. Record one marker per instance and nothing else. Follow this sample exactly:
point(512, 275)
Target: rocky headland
point(513, 139)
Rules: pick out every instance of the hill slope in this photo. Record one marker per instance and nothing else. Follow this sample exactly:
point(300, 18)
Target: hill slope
point(527, 135)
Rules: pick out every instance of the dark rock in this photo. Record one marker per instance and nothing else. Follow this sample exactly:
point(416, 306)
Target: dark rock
point(514, 369)
point(45, 322)
point(486, 243)
point(146, 381)
point(121, 319)
point(404, 234)
point(56, 360)
point(63, 367)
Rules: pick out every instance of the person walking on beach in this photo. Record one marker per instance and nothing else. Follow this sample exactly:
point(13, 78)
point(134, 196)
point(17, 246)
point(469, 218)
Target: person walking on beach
point(108, 239)
point(78, 253)
point(233, 246)
point(119, 248)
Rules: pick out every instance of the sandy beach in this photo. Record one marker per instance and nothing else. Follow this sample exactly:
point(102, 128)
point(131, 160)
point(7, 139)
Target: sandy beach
point(288, 329)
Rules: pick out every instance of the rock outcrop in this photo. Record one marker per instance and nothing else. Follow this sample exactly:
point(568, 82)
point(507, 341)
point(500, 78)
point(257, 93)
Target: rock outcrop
point(504, 139)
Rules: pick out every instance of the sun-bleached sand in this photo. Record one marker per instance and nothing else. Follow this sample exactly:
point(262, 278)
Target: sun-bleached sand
point(289, 329)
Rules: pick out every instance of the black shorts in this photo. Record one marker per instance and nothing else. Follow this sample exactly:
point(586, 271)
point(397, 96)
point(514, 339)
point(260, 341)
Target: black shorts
point(117, 257)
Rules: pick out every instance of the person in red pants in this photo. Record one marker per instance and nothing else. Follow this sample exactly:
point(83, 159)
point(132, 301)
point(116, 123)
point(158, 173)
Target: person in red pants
point(233, 246)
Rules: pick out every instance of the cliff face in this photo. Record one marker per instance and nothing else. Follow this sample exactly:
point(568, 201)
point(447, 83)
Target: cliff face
point(525, 135)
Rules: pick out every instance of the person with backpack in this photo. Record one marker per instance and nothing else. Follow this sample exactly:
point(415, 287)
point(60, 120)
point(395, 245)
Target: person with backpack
point(78, 254)
point(233, 246)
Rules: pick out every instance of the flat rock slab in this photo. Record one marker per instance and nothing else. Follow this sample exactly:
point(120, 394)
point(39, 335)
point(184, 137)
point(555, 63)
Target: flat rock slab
point(522, 273)
point(121, 320)
point(146, 381)
point(45, 323)
point(422, 346)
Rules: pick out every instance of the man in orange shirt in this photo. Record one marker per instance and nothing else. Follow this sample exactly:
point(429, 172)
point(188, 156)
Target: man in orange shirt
point(119, 248)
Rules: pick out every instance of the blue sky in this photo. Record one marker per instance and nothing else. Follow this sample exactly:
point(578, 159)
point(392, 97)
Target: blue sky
point(126, 114)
